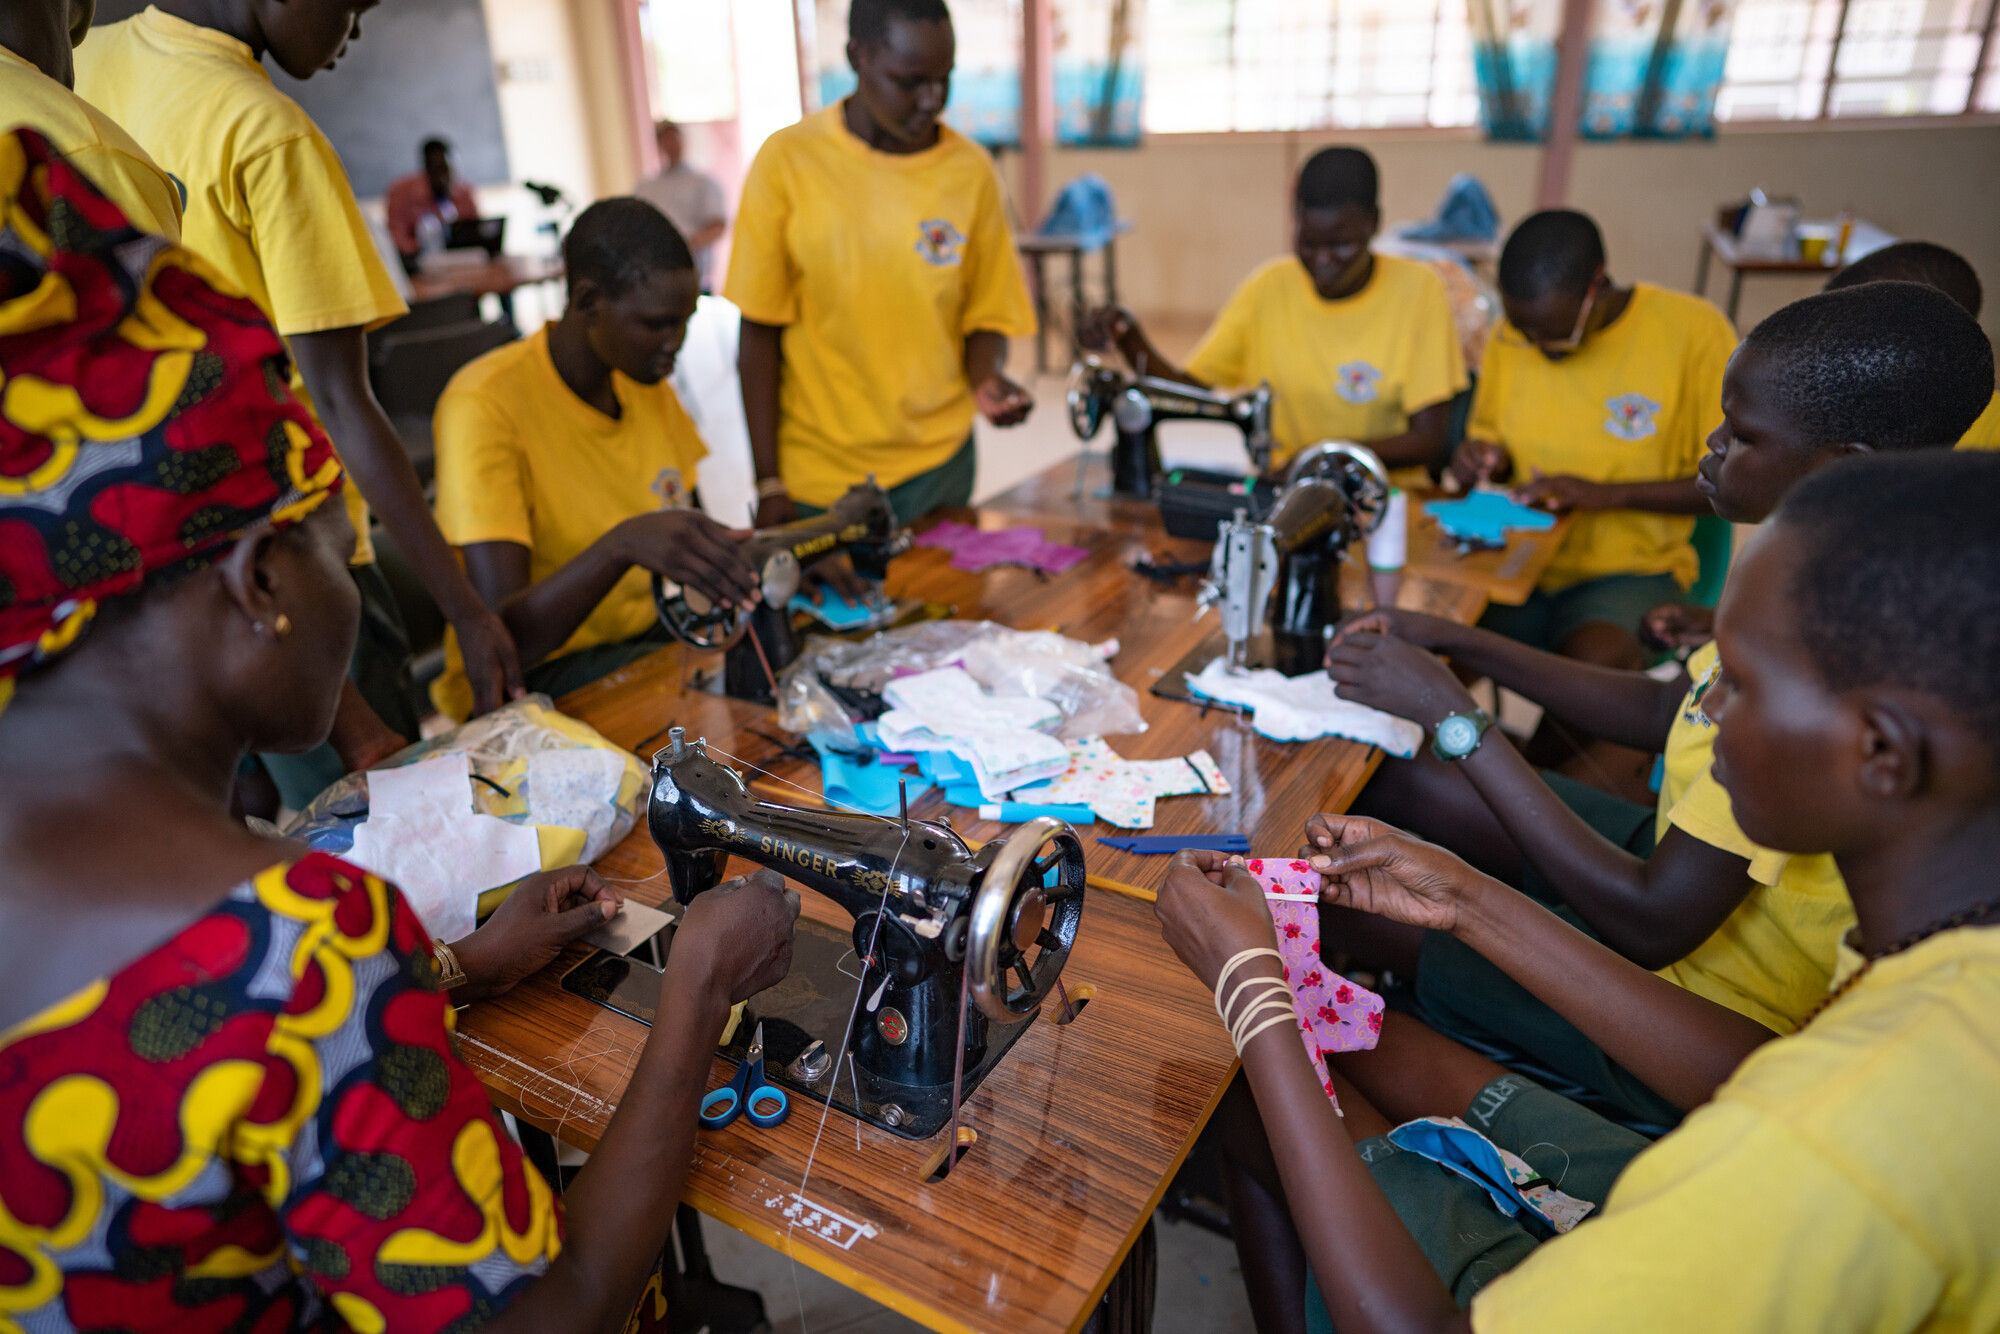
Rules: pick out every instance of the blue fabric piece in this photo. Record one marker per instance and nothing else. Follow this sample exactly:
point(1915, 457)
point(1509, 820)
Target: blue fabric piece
point(1154, 844)
point(1466, 213)
point(965, 794)
point(1485, 516)
point(946, 770)
point(1085, 212)
point(857, 782)
point(1468, 1153)
point(833, 610)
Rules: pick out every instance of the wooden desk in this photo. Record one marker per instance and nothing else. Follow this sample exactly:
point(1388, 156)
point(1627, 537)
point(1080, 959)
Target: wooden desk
point(1506, 576)
point(494, 278)
point(1082, 1126)
point(1725, 247)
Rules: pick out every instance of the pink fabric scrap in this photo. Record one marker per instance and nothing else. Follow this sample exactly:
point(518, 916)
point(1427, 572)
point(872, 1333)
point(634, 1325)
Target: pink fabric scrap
point(974, 550)
point(1335, 1014)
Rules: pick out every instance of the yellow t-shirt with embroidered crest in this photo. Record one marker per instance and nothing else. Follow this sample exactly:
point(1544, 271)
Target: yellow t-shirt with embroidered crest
point(520, 458)
point(93, 142)
point(1635, 403)
point(1985, 432)
point(877, 265)
point(268, 201)
point(1772, 958)
point(1354, 369)
point(1838, 1183)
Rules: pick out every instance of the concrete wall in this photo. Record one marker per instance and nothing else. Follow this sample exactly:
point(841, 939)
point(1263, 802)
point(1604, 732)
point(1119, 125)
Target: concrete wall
point(1210, 207)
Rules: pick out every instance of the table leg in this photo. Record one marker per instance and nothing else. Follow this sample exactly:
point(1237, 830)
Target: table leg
point(1077, 307)
point(1735, 292)
point(1127, 1305)
point(1111, 272)
point(1701, 269)
point(1041, 312)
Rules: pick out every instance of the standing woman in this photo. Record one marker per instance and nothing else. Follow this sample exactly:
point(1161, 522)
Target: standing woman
point(229, 1096)
point(878, 283)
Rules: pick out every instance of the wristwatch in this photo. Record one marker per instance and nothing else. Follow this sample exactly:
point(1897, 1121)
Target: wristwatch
point(1459, 734)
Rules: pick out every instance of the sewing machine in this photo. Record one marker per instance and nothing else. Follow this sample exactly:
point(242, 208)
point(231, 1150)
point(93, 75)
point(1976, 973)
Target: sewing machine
point(934, 921)
point(1137, 404)
point(861, 523)
point(1335, 494)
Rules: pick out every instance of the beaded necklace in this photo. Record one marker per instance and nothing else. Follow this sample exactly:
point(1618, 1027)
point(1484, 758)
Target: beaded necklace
point(1978, 912)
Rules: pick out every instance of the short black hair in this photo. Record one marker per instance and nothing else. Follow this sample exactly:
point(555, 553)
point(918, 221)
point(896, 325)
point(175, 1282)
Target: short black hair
point(1900, 581)
point(616, 242)
point(1924, 262)
point(440, 145)
point(1556, 250)
point(1334, 177)
point(868, 20)
point(1889, 365)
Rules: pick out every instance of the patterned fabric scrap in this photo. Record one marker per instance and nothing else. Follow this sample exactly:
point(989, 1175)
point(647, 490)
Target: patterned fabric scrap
point(1123, 791)
point(975, 549)
point(1335, 1015)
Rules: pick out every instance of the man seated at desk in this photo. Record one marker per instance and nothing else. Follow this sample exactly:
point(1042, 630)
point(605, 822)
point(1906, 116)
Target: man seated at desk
point(566, 464)
point(1356, 346)
point(434, 193)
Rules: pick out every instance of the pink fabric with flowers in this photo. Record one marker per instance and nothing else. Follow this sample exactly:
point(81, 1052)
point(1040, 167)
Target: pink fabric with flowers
point(1334, 1014)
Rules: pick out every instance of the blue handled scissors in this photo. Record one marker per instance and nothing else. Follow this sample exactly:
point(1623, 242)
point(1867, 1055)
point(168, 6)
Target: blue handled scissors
point(747, 1094)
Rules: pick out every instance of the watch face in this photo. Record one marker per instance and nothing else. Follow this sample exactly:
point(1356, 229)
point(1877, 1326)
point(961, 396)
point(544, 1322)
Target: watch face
point(1457, 735)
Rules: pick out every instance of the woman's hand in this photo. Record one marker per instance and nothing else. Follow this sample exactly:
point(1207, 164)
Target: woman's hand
point(1379, 869)
point(1210, 910)
point(775, 510)
point(692, 549)
point(1412, 627)
point(1677, 625)
point(1395, 676)
point(1480, 461)
point(735, 940)
point(1001, 401)
point(1561, 493)
point(545, 912)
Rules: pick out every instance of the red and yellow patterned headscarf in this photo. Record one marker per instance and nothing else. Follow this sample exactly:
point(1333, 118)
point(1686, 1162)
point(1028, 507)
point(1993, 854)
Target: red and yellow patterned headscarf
point(145, 418)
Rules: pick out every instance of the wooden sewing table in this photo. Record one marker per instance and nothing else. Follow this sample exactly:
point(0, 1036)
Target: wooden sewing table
point(1083, 1125)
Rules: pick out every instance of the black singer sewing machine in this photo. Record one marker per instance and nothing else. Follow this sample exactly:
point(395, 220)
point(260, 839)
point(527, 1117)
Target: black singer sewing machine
point(1335, 494)
point(1137, 404)
point(935, 924)
point(861, 523)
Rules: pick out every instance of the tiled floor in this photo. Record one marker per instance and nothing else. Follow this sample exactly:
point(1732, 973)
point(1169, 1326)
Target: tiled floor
point(1200, 1291)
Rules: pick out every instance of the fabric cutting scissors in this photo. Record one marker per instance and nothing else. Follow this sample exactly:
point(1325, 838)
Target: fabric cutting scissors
point(747, 1094)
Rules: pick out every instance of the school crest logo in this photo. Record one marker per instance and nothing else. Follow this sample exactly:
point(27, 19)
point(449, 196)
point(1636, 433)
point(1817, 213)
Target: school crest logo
point(1358, 382)
point(939, 242)
point(1633, 416)
point(668, 487)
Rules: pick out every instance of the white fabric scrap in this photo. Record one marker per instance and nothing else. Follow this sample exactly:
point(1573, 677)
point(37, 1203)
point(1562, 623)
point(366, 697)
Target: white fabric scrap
point(577, 788)
point(1300, 708)
point(423, 836)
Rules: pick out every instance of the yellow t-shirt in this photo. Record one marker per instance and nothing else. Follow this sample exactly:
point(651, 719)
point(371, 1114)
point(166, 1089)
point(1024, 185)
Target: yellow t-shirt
point(877, 265)
point(268, 202)
point(1353, 369)
point(520, 458)
point(1773, 957)
point(93, 143)
point(1985, 432)
point(1841, 1180)
point(1635, 403)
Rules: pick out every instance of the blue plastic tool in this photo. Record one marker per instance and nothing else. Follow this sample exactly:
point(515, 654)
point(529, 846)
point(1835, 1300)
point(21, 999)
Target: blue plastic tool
point(1014, 812)
point(749, 1094)
point(1150, 844)
point(834, 611)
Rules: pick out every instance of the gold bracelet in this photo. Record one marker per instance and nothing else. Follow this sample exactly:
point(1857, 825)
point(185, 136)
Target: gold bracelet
point(450, 972)
point(769, 488)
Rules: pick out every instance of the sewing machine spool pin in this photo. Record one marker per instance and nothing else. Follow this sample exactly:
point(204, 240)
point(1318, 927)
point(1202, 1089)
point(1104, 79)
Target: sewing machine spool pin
point(930, 916)
point(861, 523)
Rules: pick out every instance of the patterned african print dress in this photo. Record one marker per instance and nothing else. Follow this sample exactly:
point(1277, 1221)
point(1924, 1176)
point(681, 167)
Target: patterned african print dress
point(262, 1126)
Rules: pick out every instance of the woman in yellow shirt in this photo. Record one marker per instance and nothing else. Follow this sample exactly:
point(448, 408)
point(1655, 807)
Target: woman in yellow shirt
point(1595, 399)
point(1356, 346)
point(878, 283)
point(1832, 1180)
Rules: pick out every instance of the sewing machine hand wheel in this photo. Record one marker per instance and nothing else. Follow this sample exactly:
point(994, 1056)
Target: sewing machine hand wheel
point(1356, 469)
point(1031, 897)
point(1086, 405)
point(691, 618)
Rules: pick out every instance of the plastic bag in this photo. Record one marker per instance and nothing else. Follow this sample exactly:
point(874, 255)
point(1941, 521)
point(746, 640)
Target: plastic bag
point(1073, 676)
point(580, 812)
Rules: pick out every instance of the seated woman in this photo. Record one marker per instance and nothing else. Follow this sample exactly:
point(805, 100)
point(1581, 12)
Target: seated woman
point(566, 465)
point(1829, 1180)
point(229, 1096)
point(1356, 346)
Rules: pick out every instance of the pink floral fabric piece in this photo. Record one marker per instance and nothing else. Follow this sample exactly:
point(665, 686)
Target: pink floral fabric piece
point(1334, 1014)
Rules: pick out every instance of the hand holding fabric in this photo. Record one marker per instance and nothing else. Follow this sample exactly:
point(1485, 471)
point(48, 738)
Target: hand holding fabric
point(1210, 909)
point(1379, 869)
point(1395, 676)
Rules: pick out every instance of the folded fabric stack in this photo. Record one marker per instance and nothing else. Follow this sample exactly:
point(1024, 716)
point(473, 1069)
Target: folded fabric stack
point(1299, 708)
point(975, 549)
point(1002, 738)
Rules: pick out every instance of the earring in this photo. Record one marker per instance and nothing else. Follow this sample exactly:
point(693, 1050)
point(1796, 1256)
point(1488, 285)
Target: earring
point(282, 626)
